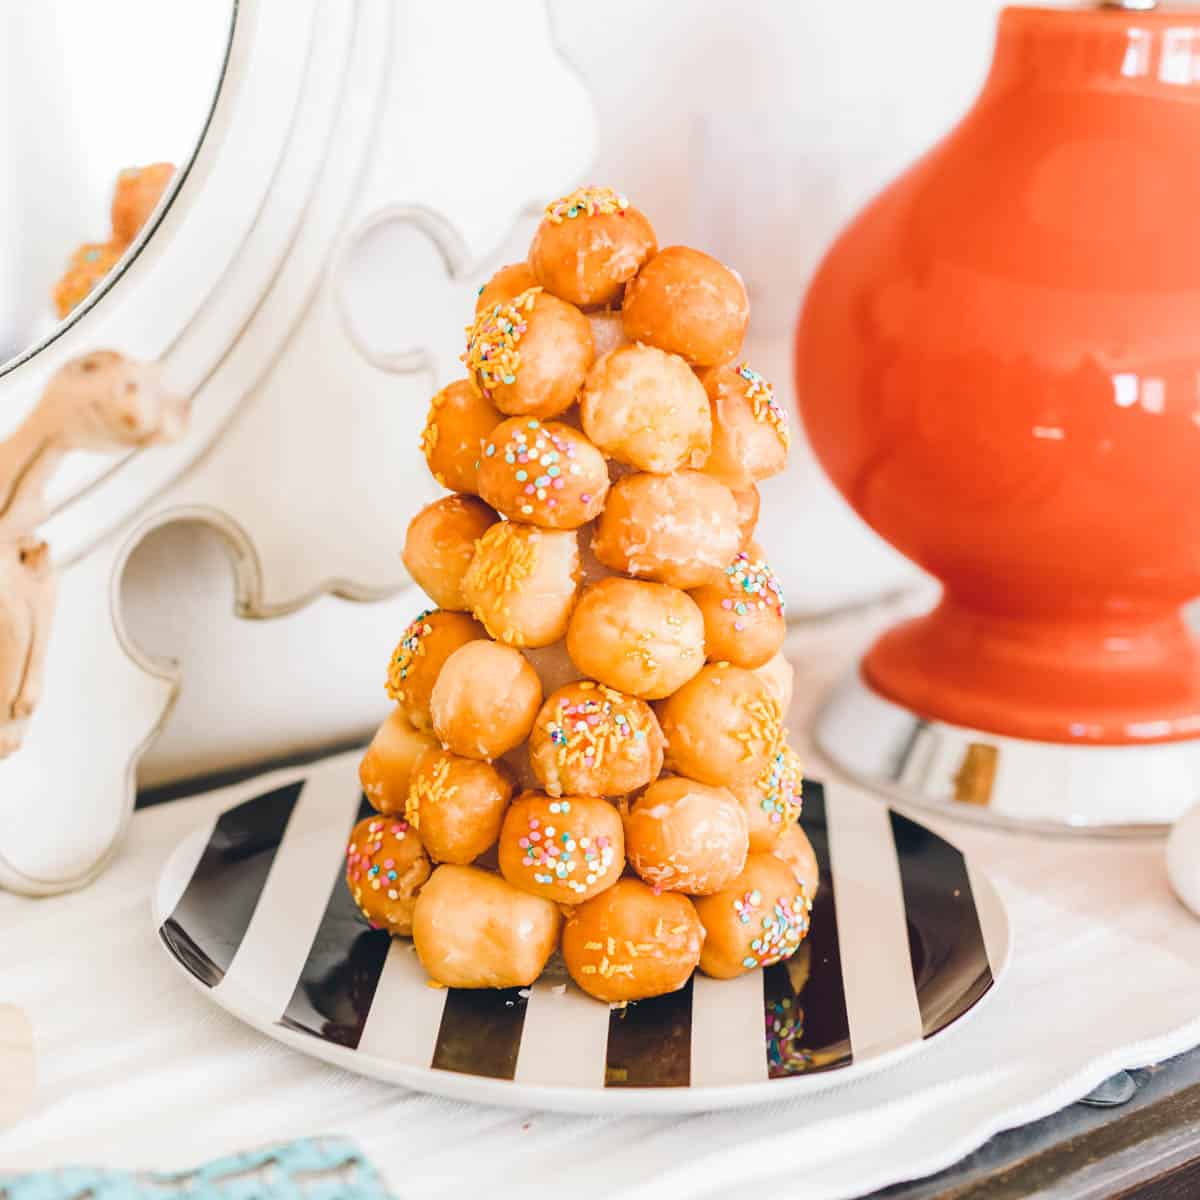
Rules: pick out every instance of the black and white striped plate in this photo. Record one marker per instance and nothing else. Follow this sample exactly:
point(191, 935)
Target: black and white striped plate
point(907, 938)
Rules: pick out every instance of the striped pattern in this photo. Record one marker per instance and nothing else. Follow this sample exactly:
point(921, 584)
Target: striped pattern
point(899, 949)
point(212, 916)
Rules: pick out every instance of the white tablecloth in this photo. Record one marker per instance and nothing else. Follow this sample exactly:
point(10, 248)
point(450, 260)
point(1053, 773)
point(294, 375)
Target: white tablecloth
point(138, 1069)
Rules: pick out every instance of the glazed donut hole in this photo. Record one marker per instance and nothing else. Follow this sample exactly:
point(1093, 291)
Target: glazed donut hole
point(721, 727)
point(589, 245)
point(507, 283)
point(385, 868)
point(136, 196)
point(750, 435)
point(678, 529)
point(687, 303)
point(522, 583)
point(456, 805)
point(758, 920)
point(644, 639)
point(417, 661)
point(529, 355)
point(794, 849)
point(684, 836)
point(473, 929)
point(608, 331)
point(779, 675)
point(458, 423)
point(567, 849)
point(589, 740)
point(485, 700)
point(748, 502)
point(772, 802)
point(543, 473)
point(646, 408)
point(440, 544)
point(743, 612)
point(387, 766)
point(631, 943)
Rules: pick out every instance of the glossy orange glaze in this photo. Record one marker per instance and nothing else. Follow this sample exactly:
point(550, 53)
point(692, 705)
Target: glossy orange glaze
point(998, 364)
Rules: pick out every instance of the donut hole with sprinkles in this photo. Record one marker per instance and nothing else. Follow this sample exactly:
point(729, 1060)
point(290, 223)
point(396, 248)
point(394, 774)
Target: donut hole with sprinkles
point(542, 473)
point(743, 612)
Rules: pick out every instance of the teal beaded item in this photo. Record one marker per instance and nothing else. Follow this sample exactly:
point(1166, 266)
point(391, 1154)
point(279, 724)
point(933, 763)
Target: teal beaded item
point(311, 1169)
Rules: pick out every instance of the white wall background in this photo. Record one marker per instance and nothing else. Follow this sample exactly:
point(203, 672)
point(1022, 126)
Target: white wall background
point(753, 127)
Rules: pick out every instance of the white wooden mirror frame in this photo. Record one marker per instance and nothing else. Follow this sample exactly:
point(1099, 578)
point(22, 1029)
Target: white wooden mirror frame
point(330, 123)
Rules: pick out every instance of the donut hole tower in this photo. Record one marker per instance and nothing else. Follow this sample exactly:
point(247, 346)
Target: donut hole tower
point(587, 752)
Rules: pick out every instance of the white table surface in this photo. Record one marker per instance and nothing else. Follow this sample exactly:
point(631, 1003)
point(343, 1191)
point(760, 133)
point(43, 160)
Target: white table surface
point(136, 1068)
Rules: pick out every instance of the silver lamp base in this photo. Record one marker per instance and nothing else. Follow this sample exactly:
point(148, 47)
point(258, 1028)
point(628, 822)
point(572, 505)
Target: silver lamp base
point(1040, 787)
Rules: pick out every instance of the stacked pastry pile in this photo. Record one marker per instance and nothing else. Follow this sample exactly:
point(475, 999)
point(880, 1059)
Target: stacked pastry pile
point(603, 613)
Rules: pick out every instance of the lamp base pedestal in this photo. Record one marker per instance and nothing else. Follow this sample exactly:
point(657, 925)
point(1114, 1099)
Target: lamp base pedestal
point(1017, 783)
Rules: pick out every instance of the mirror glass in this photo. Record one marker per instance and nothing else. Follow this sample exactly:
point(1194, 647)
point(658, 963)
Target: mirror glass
point(102, 106)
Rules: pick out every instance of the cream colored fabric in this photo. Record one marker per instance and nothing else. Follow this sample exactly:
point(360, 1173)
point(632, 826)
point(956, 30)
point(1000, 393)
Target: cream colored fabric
point(16, 1064)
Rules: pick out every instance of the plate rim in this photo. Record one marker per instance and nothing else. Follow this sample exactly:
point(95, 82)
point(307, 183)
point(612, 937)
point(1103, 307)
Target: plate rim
point(238, 1001)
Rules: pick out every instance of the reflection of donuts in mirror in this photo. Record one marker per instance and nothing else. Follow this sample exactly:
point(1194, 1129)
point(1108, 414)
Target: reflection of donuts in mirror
point(86, 267)
point(137, 193)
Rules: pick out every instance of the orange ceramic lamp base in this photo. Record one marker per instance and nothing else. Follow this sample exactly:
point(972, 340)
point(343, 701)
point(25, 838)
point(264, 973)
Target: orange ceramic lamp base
point(1097, 683)
point(999, 366)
